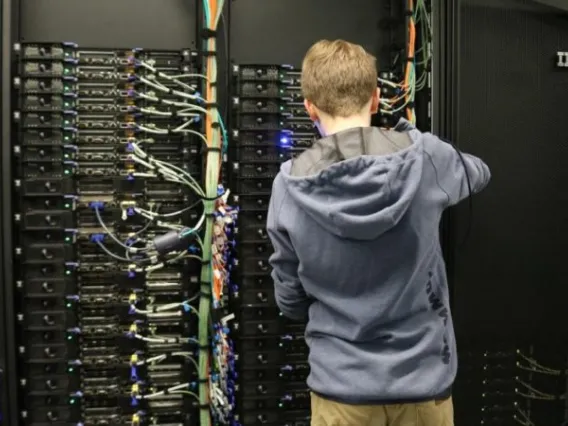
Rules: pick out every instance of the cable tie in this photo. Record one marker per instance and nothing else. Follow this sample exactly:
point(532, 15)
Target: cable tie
point(203, 380)
point(408, 13)
point(204, 406)
point(211, 105)
point(206, 262)
point(205, 149)
point(209, 53)
point(209, 199)
point(215, 125)
point(208, 33)
point(212, 83)
point(410, 105)
point(206, 294)
point(166, 391)
point(154, 309)
point(204, 347)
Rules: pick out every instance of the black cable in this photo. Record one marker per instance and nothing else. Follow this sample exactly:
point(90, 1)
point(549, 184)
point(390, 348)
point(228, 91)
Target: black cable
point(470, 196)
point(137, 234)
point(470, 202)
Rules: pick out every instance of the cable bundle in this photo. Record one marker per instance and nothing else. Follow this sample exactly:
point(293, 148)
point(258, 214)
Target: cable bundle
point(170, 99)
point(528, 392)
point(223, 378)
point(215, 394)
point(417, 61)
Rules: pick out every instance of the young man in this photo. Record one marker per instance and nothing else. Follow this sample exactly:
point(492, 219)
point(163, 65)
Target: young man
point(354, 223)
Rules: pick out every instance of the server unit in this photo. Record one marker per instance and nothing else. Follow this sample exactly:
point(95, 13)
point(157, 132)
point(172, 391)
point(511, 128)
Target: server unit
point(104, 334)
point(270, 126)
point(111, 149)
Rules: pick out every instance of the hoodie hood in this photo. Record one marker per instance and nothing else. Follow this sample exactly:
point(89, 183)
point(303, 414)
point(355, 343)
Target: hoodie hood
point(359, 183)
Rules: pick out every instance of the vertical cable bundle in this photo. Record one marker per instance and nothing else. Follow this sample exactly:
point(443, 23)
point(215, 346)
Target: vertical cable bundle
point(404, 93)
point(212, 10)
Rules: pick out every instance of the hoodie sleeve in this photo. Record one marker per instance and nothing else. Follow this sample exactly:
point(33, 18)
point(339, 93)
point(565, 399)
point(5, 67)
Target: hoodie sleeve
point(289, 293)
point(453, 172)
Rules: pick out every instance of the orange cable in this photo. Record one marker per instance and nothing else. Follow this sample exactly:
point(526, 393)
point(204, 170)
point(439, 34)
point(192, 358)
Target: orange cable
point(411, 53)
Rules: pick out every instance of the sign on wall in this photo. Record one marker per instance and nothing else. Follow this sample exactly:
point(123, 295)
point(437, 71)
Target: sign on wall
point(562, 60)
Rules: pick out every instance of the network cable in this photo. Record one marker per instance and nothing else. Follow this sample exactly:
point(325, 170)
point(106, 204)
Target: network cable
point(173, 96)
point(534, 366)
point(405, 92)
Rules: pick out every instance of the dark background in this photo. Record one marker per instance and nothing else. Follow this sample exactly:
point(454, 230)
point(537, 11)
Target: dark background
point(261, 31)
point(504, 100)
point(497, 94)
point(512, 106)
point(152, 24)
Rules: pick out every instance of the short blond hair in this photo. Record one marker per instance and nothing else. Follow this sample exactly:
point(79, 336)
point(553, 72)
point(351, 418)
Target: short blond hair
point(338, 77)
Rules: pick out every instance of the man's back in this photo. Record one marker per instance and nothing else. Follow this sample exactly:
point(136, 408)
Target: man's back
point(354, 224)
point(364, 230)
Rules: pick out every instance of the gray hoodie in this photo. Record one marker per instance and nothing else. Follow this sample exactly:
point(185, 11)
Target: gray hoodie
point(354, 222)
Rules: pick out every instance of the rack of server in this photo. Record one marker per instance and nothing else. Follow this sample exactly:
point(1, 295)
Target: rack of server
point(98, 343)
point(87, 320)
point(269, 126)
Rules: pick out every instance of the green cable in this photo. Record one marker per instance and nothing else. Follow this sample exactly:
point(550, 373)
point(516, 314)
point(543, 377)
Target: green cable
point(213, 162)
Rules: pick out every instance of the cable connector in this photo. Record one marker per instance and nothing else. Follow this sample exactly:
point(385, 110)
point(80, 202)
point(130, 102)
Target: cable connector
point(134, 359)
point(97, 238)
point(173, 241)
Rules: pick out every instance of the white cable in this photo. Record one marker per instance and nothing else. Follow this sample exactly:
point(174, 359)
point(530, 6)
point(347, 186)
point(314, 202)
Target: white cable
point(153, 111)
point(173, 78)
point(136, 159)
point(150, 96)
point(159, 358)
point(173, 389)
point(167, 90)
point(178, 76)
point(164, 308)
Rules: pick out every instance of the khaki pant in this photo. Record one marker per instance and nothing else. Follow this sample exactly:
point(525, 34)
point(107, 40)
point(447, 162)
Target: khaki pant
point(431, 413)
